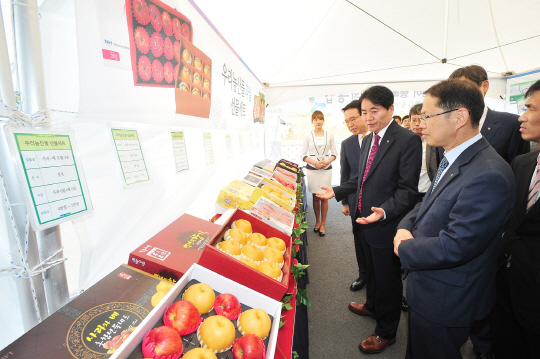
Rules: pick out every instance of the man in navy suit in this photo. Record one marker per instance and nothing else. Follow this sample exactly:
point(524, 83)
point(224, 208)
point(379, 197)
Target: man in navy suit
point(516, 316)
point(448, 243)
point(501, 130)
point(350, 159)
point(386, 189)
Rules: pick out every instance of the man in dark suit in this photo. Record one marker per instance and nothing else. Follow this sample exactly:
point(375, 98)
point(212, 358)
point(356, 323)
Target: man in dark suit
point(385, 190)
point(350, 159)
point(430, 155)
point(501, 130)
point(516, 316)
point(448, 243)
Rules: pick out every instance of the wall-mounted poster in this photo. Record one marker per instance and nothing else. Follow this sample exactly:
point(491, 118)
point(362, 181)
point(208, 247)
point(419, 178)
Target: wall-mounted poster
point(259, 104)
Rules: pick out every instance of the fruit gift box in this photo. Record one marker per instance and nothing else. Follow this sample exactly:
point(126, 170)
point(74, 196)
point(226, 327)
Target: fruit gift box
point(156, 32)
point(284, 180)
point(231, 267)
point(173, 306)
point(272, 214)
point(172, 251)
point(95, 323)
point(193, 81)
point(275, 191)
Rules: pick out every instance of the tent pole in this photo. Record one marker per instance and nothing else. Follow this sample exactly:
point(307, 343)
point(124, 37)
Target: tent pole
point(32, 84)
point(32, 311)
point(445, 40)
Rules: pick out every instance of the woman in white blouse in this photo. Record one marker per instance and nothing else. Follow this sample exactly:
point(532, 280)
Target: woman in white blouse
point(319, 151)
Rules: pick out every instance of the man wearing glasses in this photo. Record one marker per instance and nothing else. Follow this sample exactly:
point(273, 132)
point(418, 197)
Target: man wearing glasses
point(350, 160)
point(448, 242)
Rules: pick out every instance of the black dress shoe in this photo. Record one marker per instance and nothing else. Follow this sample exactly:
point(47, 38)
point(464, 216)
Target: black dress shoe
point(322, 234)
point(404, 304)
point(357, 285)
point(480, 355)
point(316, 230)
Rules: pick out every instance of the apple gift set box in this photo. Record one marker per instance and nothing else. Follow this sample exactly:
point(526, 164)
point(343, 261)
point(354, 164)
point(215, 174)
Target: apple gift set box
point(131, 349)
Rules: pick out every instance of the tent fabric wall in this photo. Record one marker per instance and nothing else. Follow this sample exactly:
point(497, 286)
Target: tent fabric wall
point(401, 43)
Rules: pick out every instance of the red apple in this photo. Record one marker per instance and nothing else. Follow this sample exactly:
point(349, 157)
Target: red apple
point(228, 306)
point(162, 341)
point(249, 346)
point(182, 316)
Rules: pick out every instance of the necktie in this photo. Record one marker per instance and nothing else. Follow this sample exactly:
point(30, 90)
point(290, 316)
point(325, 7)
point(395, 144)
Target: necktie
point(534, 188)
point(372, 154)
point(442, 167)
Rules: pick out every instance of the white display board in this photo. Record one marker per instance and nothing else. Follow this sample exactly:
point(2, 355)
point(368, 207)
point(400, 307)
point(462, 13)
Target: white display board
point(130, 156)
point(51, 174)
point(208, 149)
point(180, 151)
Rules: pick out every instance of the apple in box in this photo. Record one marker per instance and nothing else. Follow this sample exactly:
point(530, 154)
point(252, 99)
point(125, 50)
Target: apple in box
point(162, 342)
point(182, 316)
point(249, 346)
point(228, 306)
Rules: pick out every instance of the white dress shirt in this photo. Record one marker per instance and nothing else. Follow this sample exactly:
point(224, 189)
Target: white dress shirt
point(454, 153)
point(424, 181)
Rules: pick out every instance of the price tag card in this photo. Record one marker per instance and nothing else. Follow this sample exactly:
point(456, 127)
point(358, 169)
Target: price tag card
point(53, 179)
point(229, 145)
point(208, 150)
point(241, 143)
point(180, 152)
point(130, 156)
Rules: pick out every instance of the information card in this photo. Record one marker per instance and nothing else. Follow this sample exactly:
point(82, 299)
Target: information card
point(180, 152)
point(53, 179)
point(229, 145)
point(208, 150)
point(130, 156)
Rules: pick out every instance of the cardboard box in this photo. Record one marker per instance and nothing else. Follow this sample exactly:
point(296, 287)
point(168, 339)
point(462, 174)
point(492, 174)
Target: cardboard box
point(171, 252)
point(75, 330)
point(221, 263)
point(140, 76)
point(261, 172)
point(193, 82)
point(131, 347)
point(236, 194)
point(273, 215)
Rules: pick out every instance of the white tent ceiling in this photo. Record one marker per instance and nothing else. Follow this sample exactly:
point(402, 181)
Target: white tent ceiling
point(306, 48)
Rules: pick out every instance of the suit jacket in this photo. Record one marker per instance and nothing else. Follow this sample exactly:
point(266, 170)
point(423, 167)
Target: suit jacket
point(432, 161)
point(349, 161)
point(522, 240)
point(391, 184)
point(451, 259)
point(501, 130)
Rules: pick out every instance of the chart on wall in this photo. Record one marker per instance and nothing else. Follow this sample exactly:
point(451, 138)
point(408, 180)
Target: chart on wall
point(55, 186)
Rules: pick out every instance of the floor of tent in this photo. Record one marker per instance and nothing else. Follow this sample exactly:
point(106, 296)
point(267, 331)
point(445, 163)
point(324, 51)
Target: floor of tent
point(334, 331)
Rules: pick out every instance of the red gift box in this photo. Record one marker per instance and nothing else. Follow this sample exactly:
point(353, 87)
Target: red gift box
point(171, 252)
point(221, 263)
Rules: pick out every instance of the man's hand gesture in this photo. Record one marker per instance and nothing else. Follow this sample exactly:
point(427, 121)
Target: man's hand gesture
point(328, 193)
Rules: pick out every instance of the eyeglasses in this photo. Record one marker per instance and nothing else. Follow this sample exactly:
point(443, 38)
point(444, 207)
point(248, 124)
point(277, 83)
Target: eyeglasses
point(350, 120)
point(425, 118)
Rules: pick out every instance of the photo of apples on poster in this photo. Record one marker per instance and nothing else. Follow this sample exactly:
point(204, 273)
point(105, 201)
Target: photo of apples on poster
point(156, 33)
point(190, 341)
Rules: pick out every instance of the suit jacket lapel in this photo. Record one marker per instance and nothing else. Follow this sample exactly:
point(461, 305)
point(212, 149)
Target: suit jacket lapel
point(523, 192)
point(384, 145)
point(451, 173)
point(490, 126)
